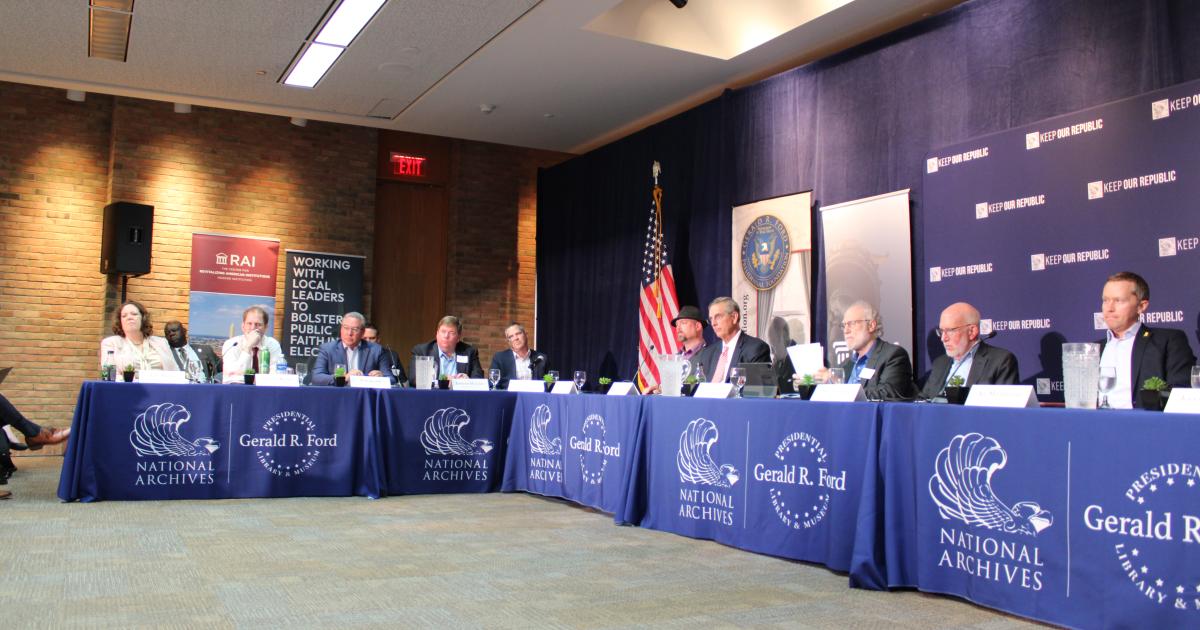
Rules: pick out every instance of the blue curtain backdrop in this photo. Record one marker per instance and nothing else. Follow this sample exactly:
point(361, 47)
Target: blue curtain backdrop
point(851, 126)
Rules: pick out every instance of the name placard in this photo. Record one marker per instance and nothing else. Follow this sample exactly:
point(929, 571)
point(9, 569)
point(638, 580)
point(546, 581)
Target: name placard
point(565, 387)
point(370, 382)
point(1016, 396)
point(623, 388)
point(841, 392)
point(469, 384)
point(277, 380)
point(1183, 400)
point(166, 377)
point(714, 390)
point(526, 385)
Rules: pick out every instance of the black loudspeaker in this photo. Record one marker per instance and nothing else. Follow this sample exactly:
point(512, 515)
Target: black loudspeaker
point(128, 232)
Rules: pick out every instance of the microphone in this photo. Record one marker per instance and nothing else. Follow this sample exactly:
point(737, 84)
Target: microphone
point(537, 358)
point(989, 335)
point(642, 364)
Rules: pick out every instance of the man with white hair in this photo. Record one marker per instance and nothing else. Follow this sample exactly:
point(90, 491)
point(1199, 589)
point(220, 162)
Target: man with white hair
point(967, 355)
point(883, 368)
point(358, 355)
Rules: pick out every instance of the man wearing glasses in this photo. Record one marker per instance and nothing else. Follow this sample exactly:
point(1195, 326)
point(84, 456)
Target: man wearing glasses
point(967, 355)
point(883, 368)
point(351, 350)
point(241, 353)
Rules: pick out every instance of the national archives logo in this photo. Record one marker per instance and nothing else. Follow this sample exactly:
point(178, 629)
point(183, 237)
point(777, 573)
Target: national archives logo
point(450, 455)
point(545, 453)
point(705, 495)
point(165, 456)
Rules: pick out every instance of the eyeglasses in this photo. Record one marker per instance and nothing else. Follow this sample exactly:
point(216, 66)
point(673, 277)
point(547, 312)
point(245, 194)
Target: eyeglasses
point(942, 332)
point(850, 324)
point(713, 318)
point(353, 328)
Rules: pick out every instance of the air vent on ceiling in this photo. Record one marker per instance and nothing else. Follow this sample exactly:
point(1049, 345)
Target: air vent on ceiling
point(108, 28)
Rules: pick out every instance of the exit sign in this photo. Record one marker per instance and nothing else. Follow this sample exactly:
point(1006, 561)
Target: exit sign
point(408, 165)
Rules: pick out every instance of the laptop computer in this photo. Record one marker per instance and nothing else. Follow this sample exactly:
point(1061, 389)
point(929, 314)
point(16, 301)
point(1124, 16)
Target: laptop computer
point(760, 380)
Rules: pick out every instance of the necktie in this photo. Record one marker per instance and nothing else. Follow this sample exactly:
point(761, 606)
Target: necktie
point(718, 375)
point(179, 358)
point(254, 361)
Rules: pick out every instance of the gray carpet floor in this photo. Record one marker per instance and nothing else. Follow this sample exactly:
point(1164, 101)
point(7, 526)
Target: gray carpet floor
point(450, 561)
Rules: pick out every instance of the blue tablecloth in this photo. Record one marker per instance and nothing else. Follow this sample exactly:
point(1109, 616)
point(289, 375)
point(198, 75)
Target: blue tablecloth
point(1082, 518)
point(575, 447)
point(132, 441)
point(434, 441)
point(785, 478)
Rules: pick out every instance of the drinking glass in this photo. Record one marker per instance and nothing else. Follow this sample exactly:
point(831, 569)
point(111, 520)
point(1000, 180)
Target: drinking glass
point(836, 376)
point(580, 379)
point(700, 373)
point(396, 375)
point(553, 376)
point(493, 377)
point(302, 371)
point(1108, 380)
point(737, 375)
point(1196, 377)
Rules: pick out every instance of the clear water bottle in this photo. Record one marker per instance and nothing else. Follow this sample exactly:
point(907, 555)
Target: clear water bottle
point(281, 366)
point(109, 372)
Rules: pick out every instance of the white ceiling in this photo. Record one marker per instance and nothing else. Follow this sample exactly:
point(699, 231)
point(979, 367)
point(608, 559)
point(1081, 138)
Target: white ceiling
point(555, 76)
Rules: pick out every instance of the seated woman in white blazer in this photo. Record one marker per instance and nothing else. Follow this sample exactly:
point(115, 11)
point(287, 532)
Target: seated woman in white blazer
point(132, 343)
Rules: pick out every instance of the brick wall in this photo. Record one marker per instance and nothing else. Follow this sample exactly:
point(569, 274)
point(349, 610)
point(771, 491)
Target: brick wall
point(221, 171)
point(493, 221)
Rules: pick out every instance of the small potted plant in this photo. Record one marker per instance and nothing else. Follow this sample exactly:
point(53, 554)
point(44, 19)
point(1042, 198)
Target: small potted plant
point(1154, 393)
point(549, 380)
point(689, 385)
point(444, 381)
point(248, 377)
point(127, 373)
point(956, 390)
point(805, 386)
point(339, 376)
point(605, 384)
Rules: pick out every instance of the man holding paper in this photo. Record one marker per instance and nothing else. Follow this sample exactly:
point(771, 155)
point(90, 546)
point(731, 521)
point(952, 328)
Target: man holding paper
point(735, 347)
point(883, 368)
point(351, 350)
point(967, 355)
point(451, 356)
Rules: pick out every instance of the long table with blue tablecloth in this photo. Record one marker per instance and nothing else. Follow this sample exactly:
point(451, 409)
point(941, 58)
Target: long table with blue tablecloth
point(1081, 518)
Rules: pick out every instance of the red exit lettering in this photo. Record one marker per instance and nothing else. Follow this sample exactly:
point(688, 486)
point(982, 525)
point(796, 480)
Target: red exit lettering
point(409, 165)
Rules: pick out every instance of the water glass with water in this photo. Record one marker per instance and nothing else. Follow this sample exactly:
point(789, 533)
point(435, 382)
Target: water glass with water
point(1196, 377)
point(737, 376)
point(493, 377)
point(1108, 380)
point(836, 376)
point(301, 371)
point(580, 379)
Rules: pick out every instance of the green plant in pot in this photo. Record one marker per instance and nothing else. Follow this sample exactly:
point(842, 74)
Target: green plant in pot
point(805, 386)
point(690, 384)
point(956, 390)
point(549, 380)
point(339, 376)
point(444, 381)
point(248, 376)
point(605, 384)
point(127, 373)
point(1154, 393)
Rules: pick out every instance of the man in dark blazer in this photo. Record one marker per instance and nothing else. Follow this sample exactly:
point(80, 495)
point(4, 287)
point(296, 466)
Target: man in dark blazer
point(450, 354)
point(371, 334)
point(359, 356)
point(533, 364)
point(1137, 351)
point(883, 368)
point(967, 355)
point(733, 346)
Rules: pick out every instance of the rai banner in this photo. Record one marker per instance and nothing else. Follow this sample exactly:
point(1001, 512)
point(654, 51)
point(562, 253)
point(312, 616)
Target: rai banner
point(318, 289)
point(229, 275)
point(772, 265)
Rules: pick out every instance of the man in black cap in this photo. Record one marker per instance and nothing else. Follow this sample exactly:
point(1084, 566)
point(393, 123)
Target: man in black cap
point(689, 331)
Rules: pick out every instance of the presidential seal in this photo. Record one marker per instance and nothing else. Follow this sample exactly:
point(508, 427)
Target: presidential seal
point(765, 252)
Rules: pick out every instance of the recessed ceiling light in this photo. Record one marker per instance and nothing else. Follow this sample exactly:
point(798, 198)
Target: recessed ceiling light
point(487, 108)
point(313, 65)
point(347, 21)
point(183, 108)
point(299, 122)
point(76, 96)
point(341, 26)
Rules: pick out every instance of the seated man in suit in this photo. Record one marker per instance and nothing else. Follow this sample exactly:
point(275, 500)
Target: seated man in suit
point(451, 356)
point(360, 357)
point(36, 437)
point(967, 355)
point(371, 334)
point(1137, 351)
point(883, 368)
point(734, 347)
point(519, 361)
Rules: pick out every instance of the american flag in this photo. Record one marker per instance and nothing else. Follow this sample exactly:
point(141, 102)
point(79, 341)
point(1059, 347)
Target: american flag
point(658, 304)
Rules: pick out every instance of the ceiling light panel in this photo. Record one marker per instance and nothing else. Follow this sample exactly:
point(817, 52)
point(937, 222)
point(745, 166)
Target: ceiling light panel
point(340, 27)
